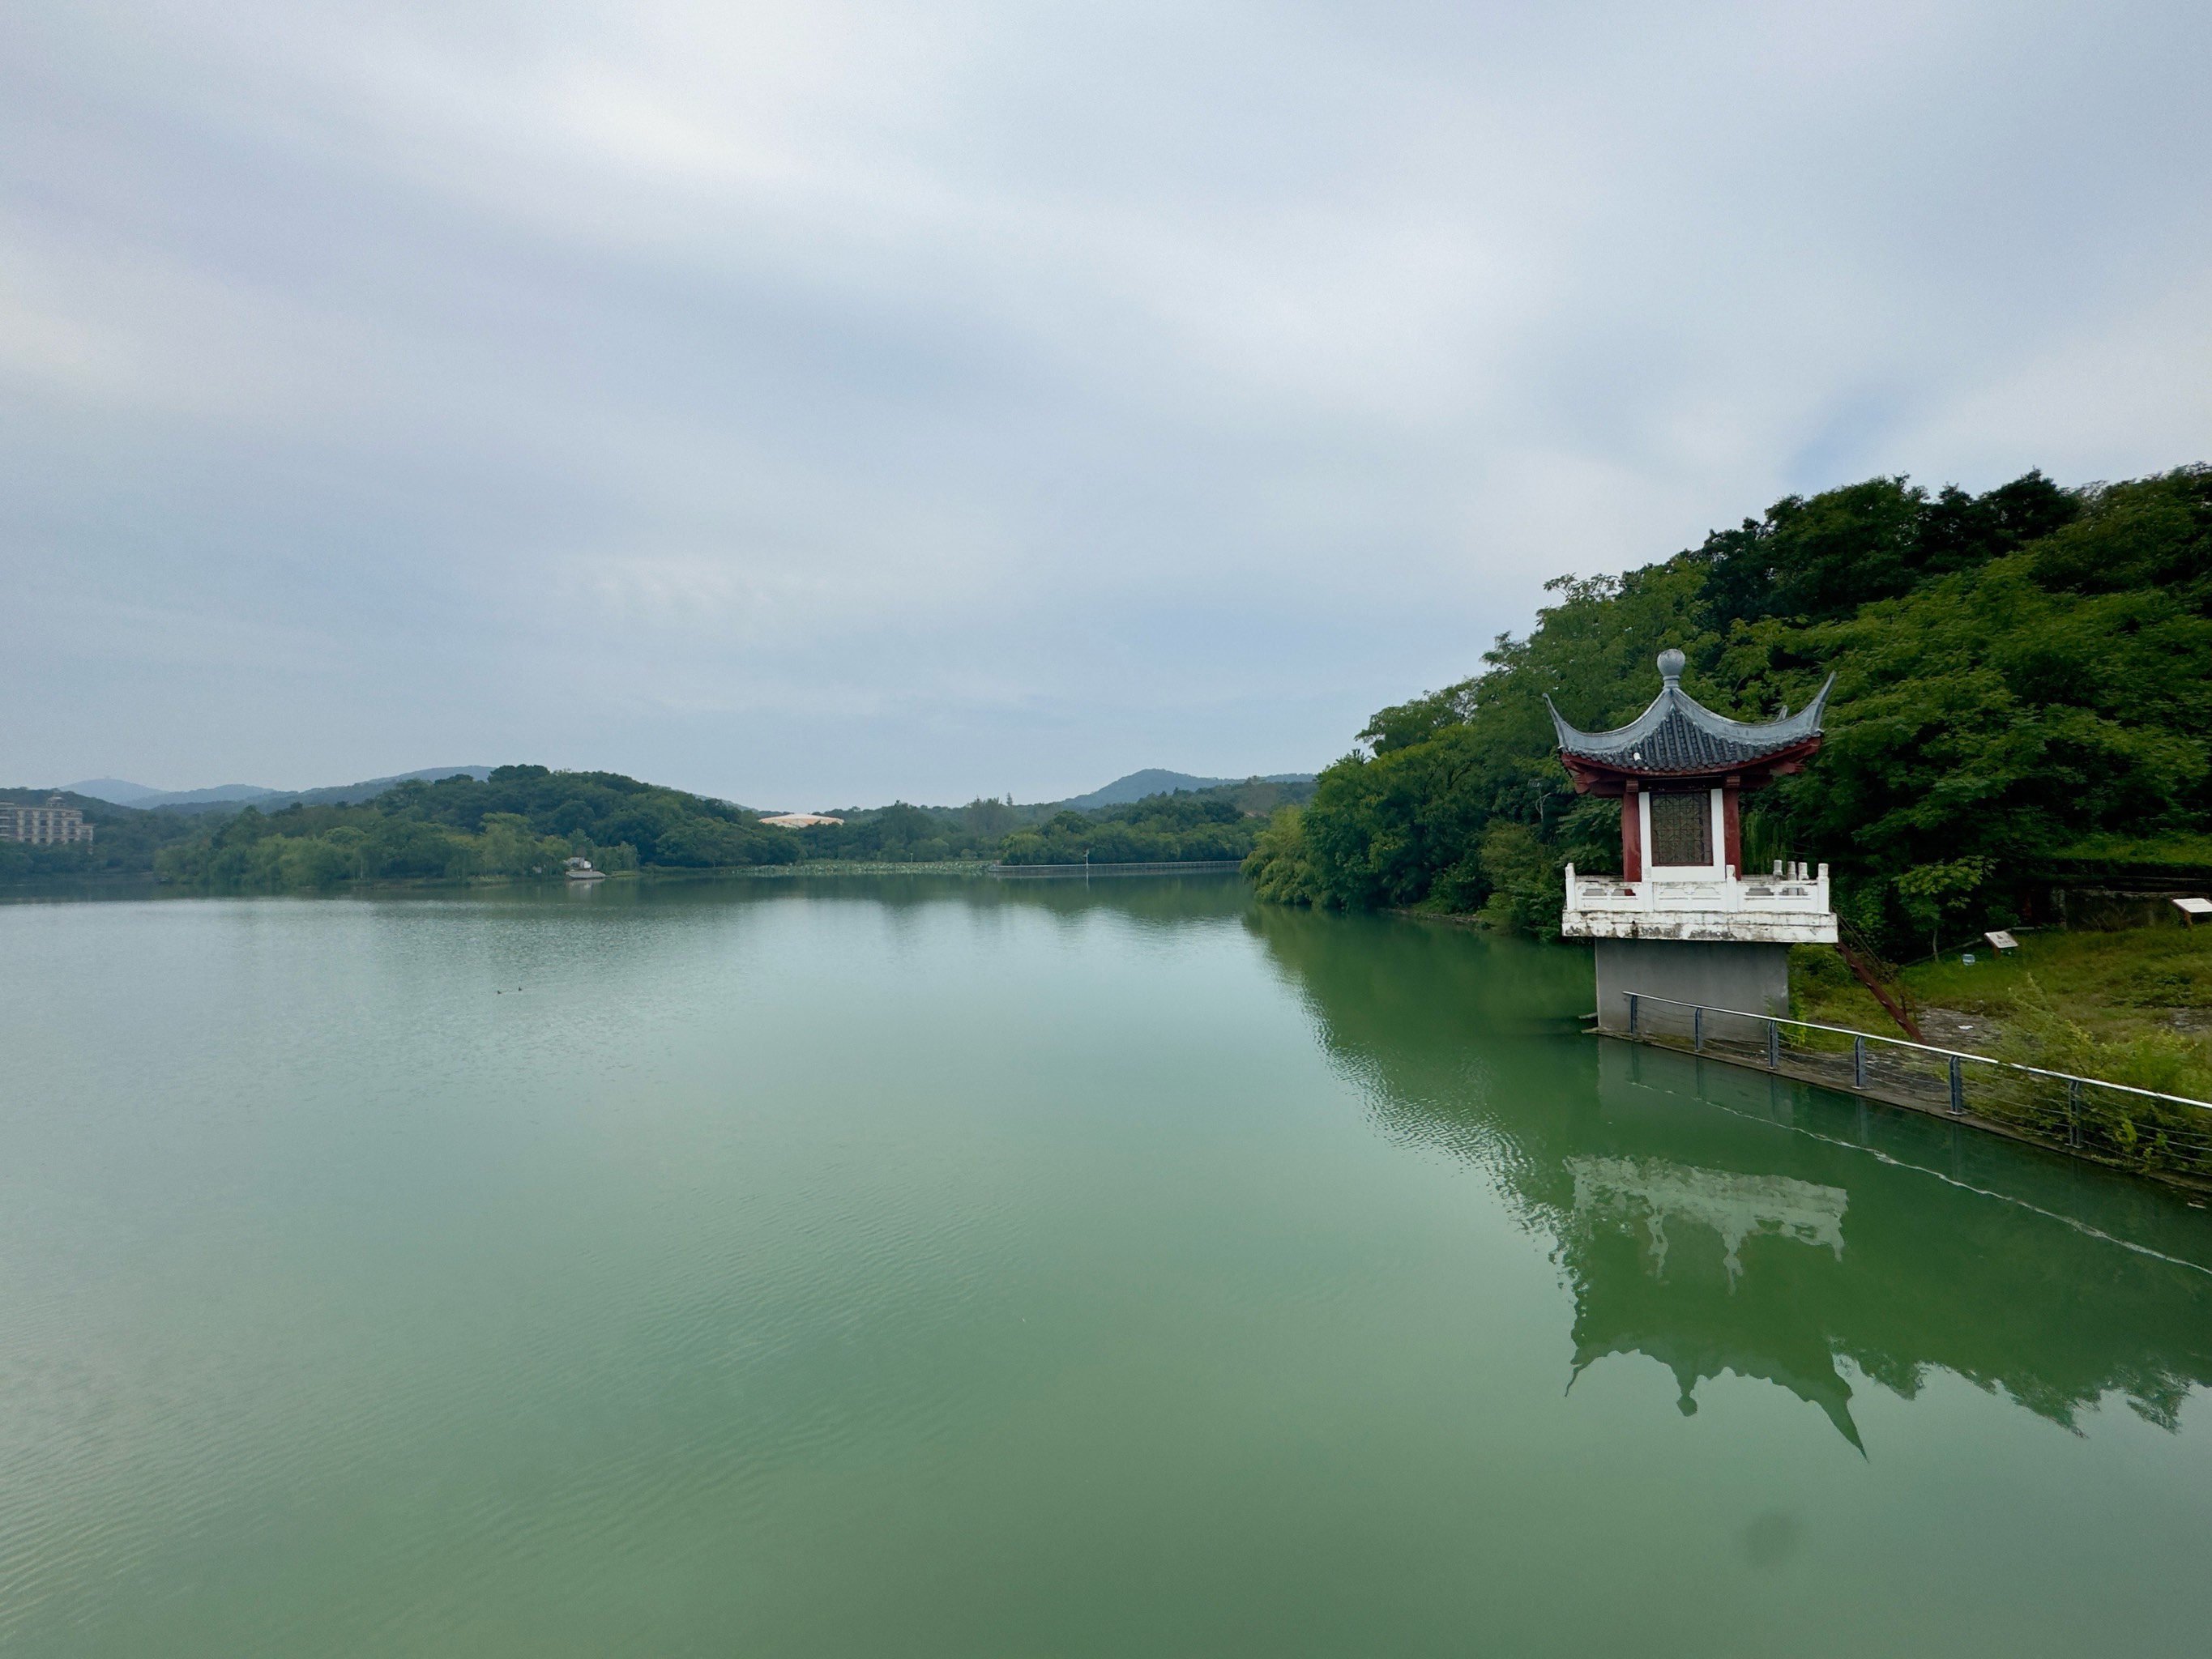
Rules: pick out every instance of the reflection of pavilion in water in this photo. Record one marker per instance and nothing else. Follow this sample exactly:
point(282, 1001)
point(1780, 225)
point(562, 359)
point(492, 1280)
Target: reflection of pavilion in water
point(1685, 1301)
point(2059, 1286)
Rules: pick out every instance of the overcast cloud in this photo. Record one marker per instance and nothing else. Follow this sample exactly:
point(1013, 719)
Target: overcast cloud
point(816, 403)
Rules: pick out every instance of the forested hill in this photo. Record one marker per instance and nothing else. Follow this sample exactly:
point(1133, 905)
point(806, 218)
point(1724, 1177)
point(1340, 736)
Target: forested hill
point(518, 821)
point(513, 821)
point(1157, 780)
point(2024, 693)
point(524, 821)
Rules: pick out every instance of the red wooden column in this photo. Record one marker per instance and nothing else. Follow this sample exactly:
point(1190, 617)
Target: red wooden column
point(1732, 822)
point(1631, 834)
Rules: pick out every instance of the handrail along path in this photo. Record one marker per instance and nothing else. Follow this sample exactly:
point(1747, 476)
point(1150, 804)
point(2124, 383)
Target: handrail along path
point(2122, 1124)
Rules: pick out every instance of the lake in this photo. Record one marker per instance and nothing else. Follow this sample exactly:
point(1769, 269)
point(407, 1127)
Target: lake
point(935, 1268)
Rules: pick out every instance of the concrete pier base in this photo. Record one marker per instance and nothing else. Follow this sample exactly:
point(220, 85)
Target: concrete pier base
point(1720, 975)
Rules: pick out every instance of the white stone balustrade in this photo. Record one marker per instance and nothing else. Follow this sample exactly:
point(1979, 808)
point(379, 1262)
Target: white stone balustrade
point(1701, 902)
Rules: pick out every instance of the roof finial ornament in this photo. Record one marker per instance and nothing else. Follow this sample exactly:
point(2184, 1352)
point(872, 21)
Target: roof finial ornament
point(1671, 663)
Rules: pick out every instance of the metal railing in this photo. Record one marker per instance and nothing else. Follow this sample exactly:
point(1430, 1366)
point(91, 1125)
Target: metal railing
point(2116, 1123)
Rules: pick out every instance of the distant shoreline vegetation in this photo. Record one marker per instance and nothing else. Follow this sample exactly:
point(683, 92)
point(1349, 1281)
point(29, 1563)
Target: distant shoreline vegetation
point(1216, 823)
point(525, 822)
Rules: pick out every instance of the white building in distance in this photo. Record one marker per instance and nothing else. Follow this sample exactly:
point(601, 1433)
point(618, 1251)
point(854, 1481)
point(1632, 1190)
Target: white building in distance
point(56, 823)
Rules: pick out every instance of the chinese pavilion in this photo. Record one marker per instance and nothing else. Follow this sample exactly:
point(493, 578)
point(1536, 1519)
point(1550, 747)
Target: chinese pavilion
point(1684, 920)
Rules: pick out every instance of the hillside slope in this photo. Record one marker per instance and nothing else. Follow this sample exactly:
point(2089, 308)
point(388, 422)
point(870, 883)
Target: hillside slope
point(2023, 702)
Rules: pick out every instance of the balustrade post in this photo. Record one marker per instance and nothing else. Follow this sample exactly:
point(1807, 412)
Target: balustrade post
point(2073, 1111)
point(1773, 1045)
point(1635, 1004)
point(1958, 1089)
point(1698, 1030)
point(1859, 1062)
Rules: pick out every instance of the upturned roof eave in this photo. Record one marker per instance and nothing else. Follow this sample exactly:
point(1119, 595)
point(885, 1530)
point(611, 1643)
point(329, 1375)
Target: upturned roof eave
point(1614, 748)
point(1601, 765)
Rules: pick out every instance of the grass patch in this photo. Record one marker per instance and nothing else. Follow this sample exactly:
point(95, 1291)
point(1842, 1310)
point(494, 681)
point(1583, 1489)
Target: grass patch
point(2133, 1007)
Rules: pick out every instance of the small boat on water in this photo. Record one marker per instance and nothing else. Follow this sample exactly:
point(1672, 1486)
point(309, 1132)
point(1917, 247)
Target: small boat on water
point(581, 870)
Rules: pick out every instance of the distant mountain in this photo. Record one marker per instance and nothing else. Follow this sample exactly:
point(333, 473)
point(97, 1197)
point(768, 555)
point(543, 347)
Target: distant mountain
point(223, 794)
point(114, 791)
point(119, 792)
point(1153, 781)
point(347, 794)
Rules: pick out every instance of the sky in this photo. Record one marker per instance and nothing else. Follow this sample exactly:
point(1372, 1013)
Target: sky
point(820, 404)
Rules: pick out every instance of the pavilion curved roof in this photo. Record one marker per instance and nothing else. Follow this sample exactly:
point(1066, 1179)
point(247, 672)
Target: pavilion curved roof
point(1679, 735)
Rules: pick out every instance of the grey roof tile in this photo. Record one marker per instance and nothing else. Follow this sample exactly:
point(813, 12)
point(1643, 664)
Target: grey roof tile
point(1678, 734)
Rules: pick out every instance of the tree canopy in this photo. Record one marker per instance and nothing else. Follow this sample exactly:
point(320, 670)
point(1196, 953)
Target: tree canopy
point(1187, 824)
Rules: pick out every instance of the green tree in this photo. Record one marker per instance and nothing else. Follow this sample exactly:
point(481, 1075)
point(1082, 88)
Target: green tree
point(1277, 865)
point(1933, 893)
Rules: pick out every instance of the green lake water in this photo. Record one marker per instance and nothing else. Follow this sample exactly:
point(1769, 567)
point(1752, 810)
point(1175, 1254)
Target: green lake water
point(927, 1267)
